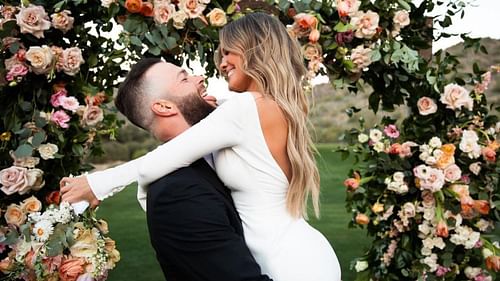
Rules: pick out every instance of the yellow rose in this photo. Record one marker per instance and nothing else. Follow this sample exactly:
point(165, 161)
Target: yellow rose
point(31, 205)
point(378, 207)
point(15, 215)
point(217, 17)
point(311, 51)
point(448, 149)
point(86, 243)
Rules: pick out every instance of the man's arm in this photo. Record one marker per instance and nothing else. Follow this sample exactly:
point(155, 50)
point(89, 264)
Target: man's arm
point(189, 224)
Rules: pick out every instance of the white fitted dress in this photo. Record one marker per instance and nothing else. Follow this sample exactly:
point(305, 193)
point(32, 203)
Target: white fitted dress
point(286, 248)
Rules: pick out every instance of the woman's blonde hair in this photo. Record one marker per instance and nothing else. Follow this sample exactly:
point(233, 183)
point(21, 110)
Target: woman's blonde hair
point(274, 61)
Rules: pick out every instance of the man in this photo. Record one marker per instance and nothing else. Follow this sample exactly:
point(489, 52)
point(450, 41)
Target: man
point(193, 224)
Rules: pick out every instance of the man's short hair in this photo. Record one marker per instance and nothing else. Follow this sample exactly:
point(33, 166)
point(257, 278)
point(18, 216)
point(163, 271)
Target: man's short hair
point(132, 94)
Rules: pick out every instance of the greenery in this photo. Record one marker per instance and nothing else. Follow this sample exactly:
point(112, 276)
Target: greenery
point(127, 222)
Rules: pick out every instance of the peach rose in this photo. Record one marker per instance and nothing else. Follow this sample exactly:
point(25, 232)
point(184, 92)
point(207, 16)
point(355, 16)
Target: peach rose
point(72, 59)
point(448, 149)
point(71, 268)
point(306, 21)
point(133, 6)
point(311, 51)
point(362, 219)
point(102, 225)
point(481, 206)
point(91, 116)
point(63, 21)
point(192, 8)
point(461, 190)
point(347, 7)
point(426, 106)
point(493, 263)
point(31, 205)
point(40, 59)
point(86, 244)
point(442, 229)
point(217, 17)
point(377, 207)
point(33, 19)
point(361, 57)
point(163, 11)
point(14, 215)
point(14, 179)
point(365, 24)
point(314, 36)
point(179, 18)
point(456, 97)
point(8, 11)
point(489, 154)
point(401, 18)
point(6, 265)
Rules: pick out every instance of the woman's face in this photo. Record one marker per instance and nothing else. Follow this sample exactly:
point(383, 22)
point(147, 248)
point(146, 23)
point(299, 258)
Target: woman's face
point(231, 66)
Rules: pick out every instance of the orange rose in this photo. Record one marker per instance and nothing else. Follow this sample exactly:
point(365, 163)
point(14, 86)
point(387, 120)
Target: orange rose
point(53, 198)
point(71, 268)
point(489, 154)
point(395, 148)
point(442, 229)
point(481, 206)
point(448, 149)
point(445, 160)
point(353, 183)
point(6, 265)
point(147, 9)
point(493, 263)
point(133, 6)
point(494, 145)
point(362, 219)
point(467, 205)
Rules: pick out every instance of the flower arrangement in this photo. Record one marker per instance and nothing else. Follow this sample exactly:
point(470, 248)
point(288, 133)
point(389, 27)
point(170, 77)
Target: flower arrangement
point(431, 202)
point(56, 244)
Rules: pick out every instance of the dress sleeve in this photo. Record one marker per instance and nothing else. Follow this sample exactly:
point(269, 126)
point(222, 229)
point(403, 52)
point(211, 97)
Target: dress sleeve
point(221, 129)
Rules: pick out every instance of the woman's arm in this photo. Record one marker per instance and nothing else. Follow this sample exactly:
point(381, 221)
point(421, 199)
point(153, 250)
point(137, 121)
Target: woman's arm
point(222, 128)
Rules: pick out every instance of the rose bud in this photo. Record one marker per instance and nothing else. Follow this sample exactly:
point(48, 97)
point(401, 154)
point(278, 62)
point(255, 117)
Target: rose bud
point(362, 219)
point(442, 229)
point(493, 263)
point(482, 207)
point(314, 36)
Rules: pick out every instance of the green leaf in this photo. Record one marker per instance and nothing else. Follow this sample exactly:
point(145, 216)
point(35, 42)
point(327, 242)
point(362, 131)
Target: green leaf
point(155, 51)
point(135, 41)
point(171, 42)
point(284, 5)
point(231, 8)
point(77, 149)
point(38, 139)
point(405, 5)
point(374, 102)
point(376, 56)
point(23, 150)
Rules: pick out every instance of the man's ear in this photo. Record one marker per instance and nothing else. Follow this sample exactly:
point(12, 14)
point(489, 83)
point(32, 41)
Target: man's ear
point(164, 108)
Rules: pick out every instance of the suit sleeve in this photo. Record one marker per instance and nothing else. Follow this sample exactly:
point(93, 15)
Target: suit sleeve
point(190, 223)
point(221, 129)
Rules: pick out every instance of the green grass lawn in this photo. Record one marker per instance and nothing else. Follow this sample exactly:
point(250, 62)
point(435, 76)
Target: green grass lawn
point(128, 227)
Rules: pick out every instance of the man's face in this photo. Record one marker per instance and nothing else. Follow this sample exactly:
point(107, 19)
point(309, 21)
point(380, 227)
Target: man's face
point(184, 90)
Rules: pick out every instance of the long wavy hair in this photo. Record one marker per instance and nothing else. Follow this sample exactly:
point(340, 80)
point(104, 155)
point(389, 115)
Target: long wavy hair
point(274, 61)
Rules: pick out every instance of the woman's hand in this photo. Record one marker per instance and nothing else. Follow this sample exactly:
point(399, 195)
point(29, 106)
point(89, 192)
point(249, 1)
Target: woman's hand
point(77, 189)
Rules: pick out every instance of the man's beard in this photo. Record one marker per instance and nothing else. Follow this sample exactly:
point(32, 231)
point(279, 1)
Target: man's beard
point(194, 108)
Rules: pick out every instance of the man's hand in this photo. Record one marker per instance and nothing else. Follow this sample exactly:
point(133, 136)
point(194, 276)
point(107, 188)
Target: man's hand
point(210, 100)
point(77, 189)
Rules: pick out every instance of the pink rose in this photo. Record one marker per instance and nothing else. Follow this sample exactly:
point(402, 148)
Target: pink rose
point(193, 8)
point(351, 183)
point(14, 179)
point(92, 115)
point(69, 103)
point(489, 154)
point(61, 118)
point(18, 70)
point(391, 131)
point(426, 106)
point(395, 148)
point(456, 97)
point(452, 173)
point(406, 149)
point(162, 12)
point(34, 20)
point(401, 18)
point(62, 21)
point(347, 7)
point(72, 59)
point(365, 24)
point(361, 56)
point(56, 98)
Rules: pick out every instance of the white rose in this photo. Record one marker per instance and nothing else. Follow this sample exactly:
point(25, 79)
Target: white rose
point(398, 177)
point(361, 266)
point(375, 135)
point(72, 59)
point(179, 18)
point(435, 142)
point(431, 160)
point(35, 179)
point(401, 18)
point(162, 12)
point(47, 150)
point(365, 24)
point(426, 106)
point(40, 59)
point(487, 252)
point(379, 147)
point(456, 97)
point(217, 17)
point(362, 138)
point(426, 251)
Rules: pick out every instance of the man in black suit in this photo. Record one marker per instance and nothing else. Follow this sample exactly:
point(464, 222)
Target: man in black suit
point(193, 224)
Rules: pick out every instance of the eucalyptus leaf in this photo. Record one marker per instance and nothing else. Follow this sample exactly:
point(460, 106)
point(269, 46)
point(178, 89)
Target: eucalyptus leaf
point(23, 150)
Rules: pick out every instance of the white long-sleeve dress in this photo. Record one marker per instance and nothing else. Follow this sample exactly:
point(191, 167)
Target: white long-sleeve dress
point(286, 248)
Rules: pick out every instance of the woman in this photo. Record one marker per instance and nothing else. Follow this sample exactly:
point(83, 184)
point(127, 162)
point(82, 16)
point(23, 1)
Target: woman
point(264, 150)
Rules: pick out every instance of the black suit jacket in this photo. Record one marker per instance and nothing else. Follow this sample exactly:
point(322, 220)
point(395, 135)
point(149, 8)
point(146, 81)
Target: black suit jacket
point(195, 229)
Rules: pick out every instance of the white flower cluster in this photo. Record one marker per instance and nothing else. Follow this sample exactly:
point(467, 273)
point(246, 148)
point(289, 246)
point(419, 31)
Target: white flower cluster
point(397, 183)
point(429, 178)
point(469, 144)
point(430, 153)
point(465, 236)
point(44, 222)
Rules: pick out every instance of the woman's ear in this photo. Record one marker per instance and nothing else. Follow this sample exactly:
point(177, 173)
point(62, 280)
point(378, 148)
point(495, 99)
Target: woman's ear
point(164, 108)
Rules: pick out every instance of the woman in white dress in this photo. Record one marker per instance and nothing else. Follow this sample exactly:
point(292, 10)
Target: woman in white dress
point(262, 151)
